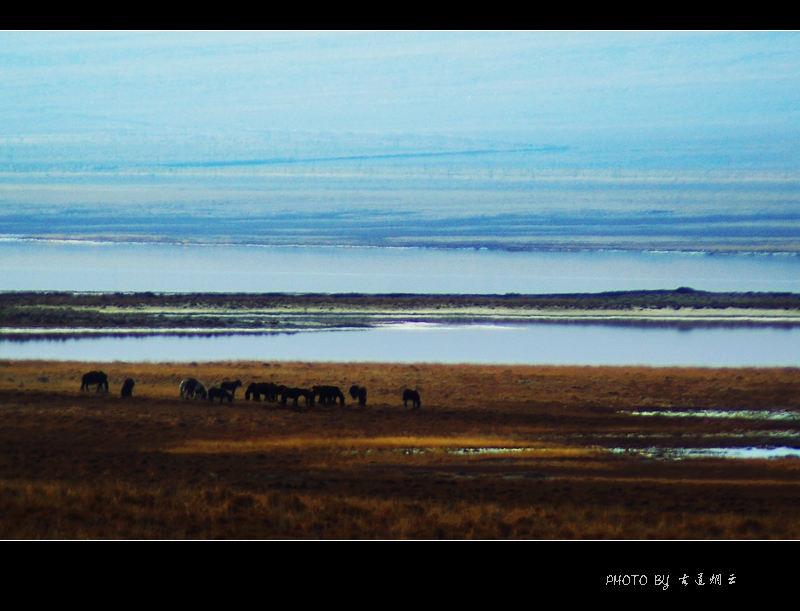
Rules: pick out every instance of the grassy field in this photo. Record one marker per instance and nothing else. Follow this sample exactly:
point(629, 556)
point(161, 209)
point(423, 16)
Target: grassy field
point(495, 452)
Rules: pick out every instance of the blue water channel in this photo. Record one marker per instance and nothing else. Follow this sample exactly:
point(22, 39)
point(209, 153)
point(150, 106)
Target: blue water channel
point(81, 266)
point(534, 344)
point(106, 266)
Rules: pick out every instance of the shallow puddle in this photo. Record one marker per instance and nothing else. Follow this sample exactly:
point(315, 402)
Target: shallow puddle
point(722, 436)
point(681, 453)
point(470, 451)
point(746, 414)
point(461, 451)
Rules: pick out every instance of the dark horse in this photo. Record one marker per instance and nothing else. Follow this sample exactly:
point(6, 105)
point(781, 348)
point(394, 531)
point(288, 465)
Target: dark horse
point(328, 394)
point(216, 391)
point(231, 386)
point(268, 389)
point(94, 377)
point(358, 392)
point(127, 387)
point(296, 393)
point(413, 396)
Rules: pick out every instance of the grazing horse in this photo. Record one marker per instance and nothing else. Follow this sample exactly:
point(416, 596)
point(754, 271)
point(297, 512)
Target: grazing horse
point(413, 396)
point(268, 389)
point(231, 386)
point(274, 392)
point(328, 394)
point(296, 393)
point(200, 391)
point(192, 388)
point(255, 390)
point(216, 391)
point(358, 392)
point(94, 377)
point(127, 387)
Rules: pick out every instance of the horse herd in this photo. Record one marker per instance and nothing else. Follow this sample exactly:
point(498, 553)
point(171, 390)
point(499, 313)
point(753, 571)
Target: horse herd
point(192, 388)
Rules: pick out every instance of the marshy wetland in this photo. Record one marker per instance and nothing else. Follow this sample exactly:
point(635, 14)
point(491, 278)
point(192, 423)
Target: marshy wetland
point(27, 314)
point(680, 327)
point(494, 452)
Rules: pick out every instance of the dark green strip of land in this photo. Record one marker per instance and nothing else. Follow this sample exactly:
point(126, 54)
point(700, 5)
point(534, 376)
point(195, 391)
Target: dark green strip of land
point(683, 297)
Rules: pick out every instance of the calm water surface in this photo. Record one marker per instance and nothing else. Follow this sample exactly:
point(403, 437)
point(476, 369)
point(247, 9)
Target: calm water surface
point(65, 266)
point(408, 343)
point(71, 266)
point(752, 452)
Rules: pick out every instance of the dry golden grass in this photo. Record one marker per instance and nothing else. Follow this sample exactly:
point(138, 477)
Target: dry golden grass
point(120, 511)
point(92, 465)
point(409, 444)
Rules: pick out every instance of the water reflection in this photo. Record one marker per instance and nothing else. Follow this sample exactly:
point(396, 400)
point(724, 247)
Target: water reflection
point(681, 453)
point(410, 343)
point(745, 414)
point(478, 451)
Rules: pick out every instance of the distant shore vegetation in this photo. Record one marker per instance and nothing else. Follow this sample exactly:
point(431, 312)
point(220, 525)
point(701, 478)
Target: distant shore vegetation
point(31, 314)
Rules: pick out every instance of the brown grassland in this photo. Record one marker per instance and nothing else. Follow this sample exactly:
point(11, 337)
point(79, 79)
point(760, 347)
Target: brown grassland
point(92, 465)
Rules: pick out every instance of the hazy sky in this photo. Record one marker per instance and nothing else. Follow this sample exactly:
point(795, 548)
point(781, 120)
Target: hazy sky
point(465, 83)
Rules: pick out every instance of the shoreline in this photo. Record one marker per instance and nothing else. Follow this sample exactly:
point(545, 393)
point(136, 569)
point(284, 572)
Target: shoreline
point(688, 322)
point(61, 315)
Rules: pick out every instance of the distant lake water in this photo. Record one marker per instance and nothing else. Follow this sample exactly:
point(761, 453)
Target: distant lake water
point(76, 266)
point(81, 266)
point(537, 344)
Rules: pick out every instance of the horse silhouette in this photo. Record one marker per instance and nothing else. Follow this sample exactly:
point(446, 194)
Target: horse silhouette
point(217, 392)
point(127, 387)
point(413, 396)
point(95, 377)
point(296, 393)
point(192, 388)
point(358, 392)
point(328, 394)
point(231, 386)
point(268, 389)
